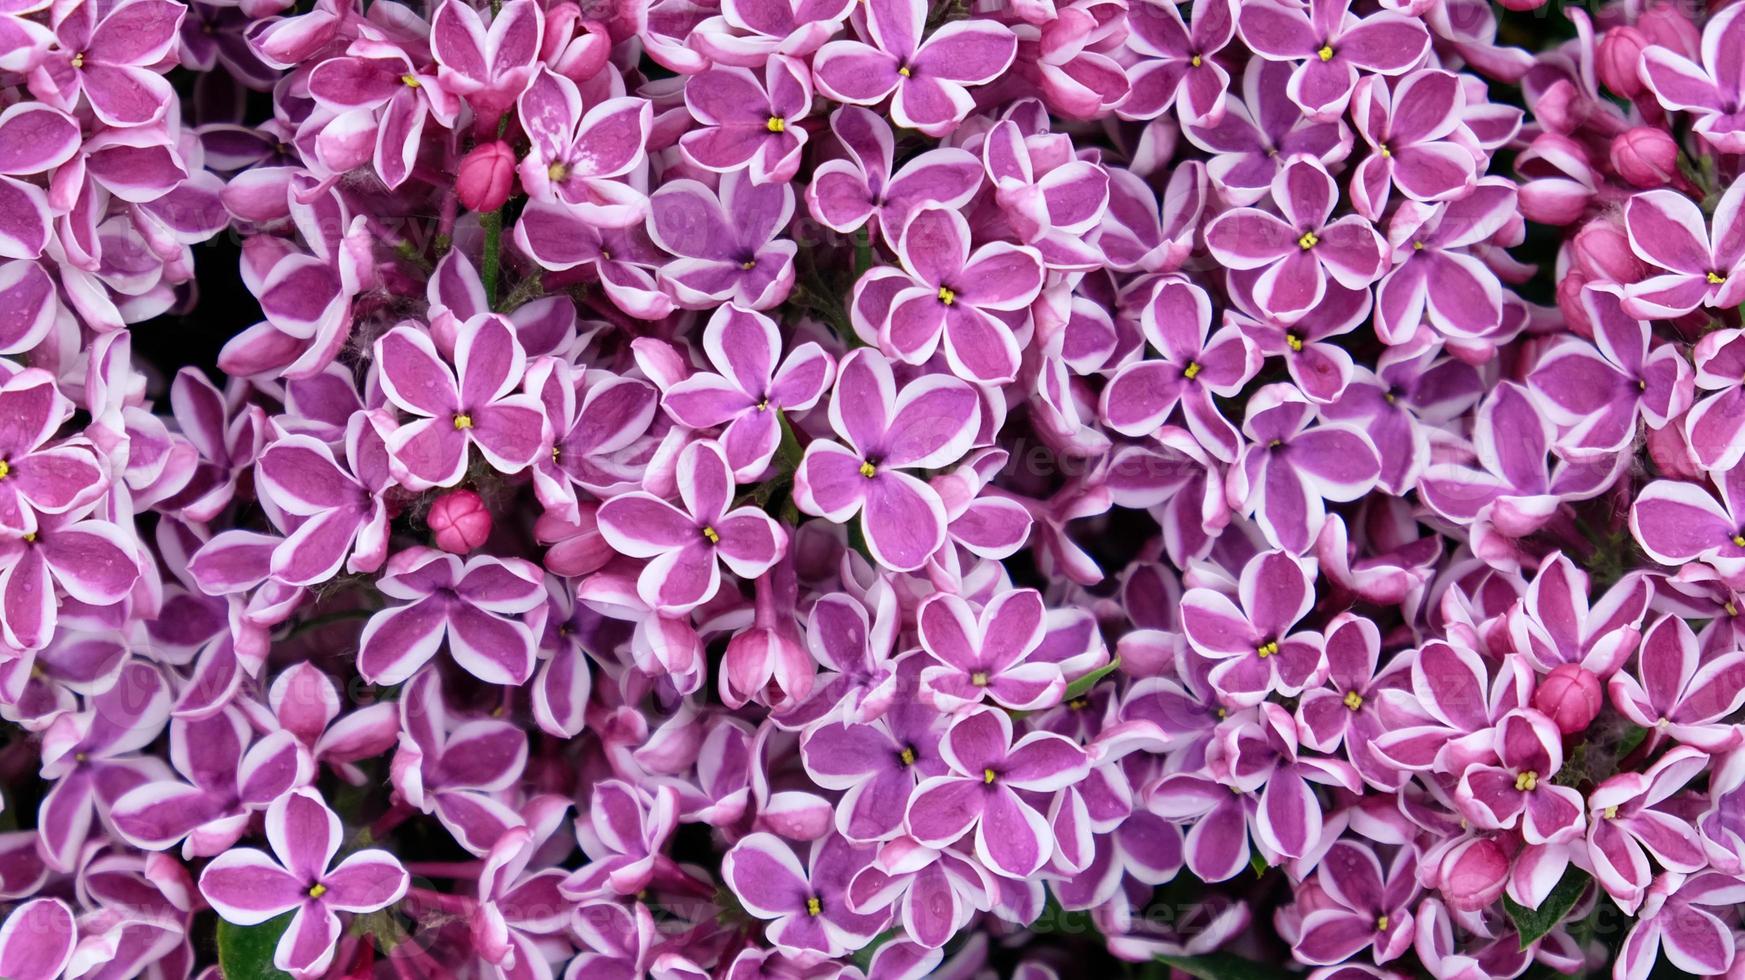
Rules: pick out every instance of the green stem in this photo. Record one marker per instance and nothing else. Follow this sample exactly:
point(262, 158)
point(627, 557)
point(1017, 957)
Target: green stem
point(788, 451)
point(492, 223)
point(863, 256)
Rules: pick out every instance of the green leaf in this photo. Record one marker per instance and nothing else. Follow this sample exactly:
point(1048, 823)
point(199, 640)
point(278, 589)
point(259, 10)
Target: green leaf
point(1535, 923)
point(1221, 966)
point(246, 952)
point(1257, 861)
point(1082, 686)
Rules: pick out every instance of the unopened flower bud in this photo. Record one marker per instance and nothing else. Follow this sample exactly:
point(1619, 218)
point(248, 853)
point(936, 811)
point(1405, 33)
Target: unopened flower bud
point(460, 521)
point(1473, 874)
point(1645, 157)
point(1602, 251)
point(486, 176)
point(1618, 58)
point(1666, 25)
point(1569, 696)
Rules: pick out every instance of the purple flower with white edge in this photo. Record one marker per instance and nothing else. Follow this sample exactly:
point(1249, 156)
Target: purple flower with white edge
point(1256, 650)
point(930, 78)
point(380, 106)
point(247, 886)
point(1289, 468)
point(808, 907)
point(37, 476)
point(747, 123)
point(1346, 710)
point(1675, 919)
point(877, 764)
point(860, 190)
point(345, 521)
point(1329, 45)
point(1177, 67)
point(1713, 426)
point(684, 543)
point(1678, 693)
point(477, 607)
point(37, 940)
point(981, 792)
point(469, 405)
point(1369, 906)
point(1435, 280)
point(1260, 132)
point(752, 383)
point(576, 157)
point(724, 242)
point(1712, 91)
point(986, 656)
point(1411, 128)
point(109, 54)
point(457, 768)
point(489, 67)
point(1626, 824)
point(928, 425)
point(1699, 267)
point(92, 561)
point(1555, 623)
point(1302, 250)
point(1520, 787)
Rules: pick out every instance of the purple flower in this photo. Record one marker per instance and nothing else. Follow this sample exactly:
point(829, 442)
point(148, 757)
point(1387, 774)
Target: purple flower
point(1367, 906)
point(470, 605)
point(1712, 91)
point(987, 656)
point(981, 791)
point(1699, 267)
point(1289, 468)
point(1178, 66)
point(849, 192)
point(1300, 252)
point(380, 106)
point(35, 475)
point(725, 243)
point(345, 521)
point(1675, 692)
point(929, 78)
point(878, 764)
point(1411, 129)
point(930, 424)
point(488, 67)
point(1674, 919)
point(752, 389)
point(1262, 131)
point(576, 157)
point(1555, 624)
point(1330, 45)
point(809, 907)
point(747, 123)
point(37, 940)
point(457, 768)
point(1626, 824)
point(948, 298)
point(91, 756)
point(109, 56)
point(1712, 426)
point(451, 415)
point(684, 543)
point(247, 886)
point(92, 561)
point(1519, 787)
point(1257, 652)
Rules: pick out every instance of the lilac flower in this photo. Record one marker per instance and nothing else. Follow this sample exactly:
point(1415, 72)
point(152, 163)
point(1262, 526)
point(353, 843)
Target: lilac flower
point(1143, 394)
point(1411, 130)
point(1262, 131)
point(1701, 268)
point(247, 887)
point(929, 424)
point(1289, 468)
point(1626, 824)
point(345, 519)
point(451, 415)
point(108, 55)
point(1257, 652)
point(1301, 251)
point(490, 68)
point(1529, 752)
point(747, 123)
point(1674, 919)
point(987, 771)
point(381, 106)
point(860, 189)
point(1710, 90)
point(951, 299)
point(684, 543)
point(38, 939)
point(457, 768)
point(1554, 623)
point(725, 243)
point(1368, 906)
point(1330, 45)
point(624, 836)
point(1712, 425)
point(469, 605)
point(1675, 692)
point(928, 78)
point(987, 656)
point(807, 906)
point(853, 639)
point(576, 157)
point(1178, 66)
point(92, 561)
point(1346, 710)
point(878, 764)
point(40, 477)
point(593, 435)
point(769, 27)
point(752, 383)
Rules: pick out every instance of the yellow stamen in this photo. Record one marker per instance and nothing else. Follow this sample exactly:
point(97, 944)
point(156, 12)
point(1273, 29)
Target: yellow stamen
point(1381, 923)
point(1739, 539)
point(557, 171)
point(1223, 712)
point(410, 80)
point(1195, 61)
point(1732, 610)
point(1192, 371)
point(79, 60)
point(776, 124)
point(1610, 813)
point(763, 406)
point(987, 776)
point(463, 421)
point(1526, 782)
point(907, 755)
point(1384, 151)
point(709, 532)
point(1267, 649)
point(905, 72)
point(5, 468)
point(556, 452)
point(979, 678)
point(29, 537)
point(1417, 246)
point(1293, 341)
point(748, 264)
point(946, 295)
point(1715, 279)
point(1308, 241)
point(814, 907)
point(317, 891)
point(1078, 704)
point(867, 470)
point(1353, 700)
point(1326, 52)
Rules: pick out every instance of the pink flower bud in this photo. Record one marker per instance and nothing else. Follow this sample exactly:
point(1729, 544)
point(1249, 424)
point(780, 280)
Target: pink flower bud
point(1569, 302)
point(1602, 251)
point(1569, 696)
point(460, 521)
point(1617, 60)
point(1561, 108)
point(1671, 452)
point(486, 175)
point(1668, 26)
point(1645, 157)
point(1473, 874)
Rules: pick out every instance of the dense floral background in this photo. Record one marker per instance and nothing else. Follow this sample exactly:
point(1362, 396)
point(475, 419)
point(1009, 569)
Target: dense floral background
point(871, 489)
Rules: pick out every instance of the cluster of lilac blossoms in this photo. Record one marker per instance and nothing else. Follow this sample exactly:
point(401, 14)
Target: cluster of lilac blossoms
point(777, 490)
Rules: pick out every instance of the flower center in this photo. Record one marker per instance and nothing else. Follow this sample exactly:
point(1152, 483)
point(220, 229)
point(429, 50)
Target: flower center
point(763, 406)
point(557, 171)
point(1308, 241)
point(317, 890)
point(1610, 813)
point(411, 81)
point(748, 264)
point(1294, 342)
point(1739, 539)
point(1381, 923)
point(1384, 151)
point(979, 678)
point(776, 124)
point(5, 469)
point(1417, 246)
point(1196, 61)
point(905, 72)
point(947, 295)
point(709, 532)
point(1326, 52)
point(1267, 649)
point(463, 421)
point(30, 537)
point(1526, 782)
point(79, 60)
point(907, 756)
point(1353, 700)
point(814, 907)
point(1715, 278)
point(1192, 371)
point(1732, 610)
point(867, 469)
point(987, 777)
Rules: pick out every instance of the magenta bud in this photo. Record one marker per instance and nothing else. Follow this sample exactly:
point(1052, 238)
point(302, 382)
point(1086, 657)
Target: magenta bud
point(1617, 59)
point(486, 176)
point(1645, 157)
point(1569, 696)
point(1602, 251)
point(460, 521)
point(1474, 873)
point(1664, 24)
